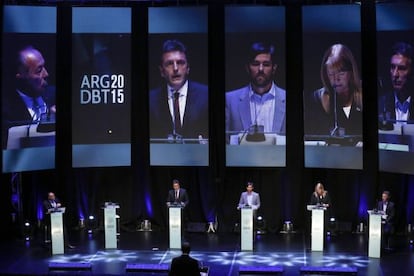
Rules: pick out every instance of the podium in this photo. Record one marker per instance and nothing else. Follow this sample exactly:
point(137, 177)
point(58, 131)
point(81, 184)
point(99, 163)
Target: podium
point(246, 229)
point(56, 230)
point(374, 236)
point(317, 227)
point(110, 225)
point(174, 223)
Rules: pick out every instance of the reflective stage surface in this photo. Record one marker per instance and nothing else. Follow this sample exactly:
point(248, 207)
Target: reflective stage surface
point(218, 251)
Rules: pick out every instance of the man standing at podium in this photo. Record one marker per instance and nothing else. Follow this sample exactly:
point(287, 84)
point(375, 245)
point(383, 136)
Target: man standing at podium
point(387, 219)
point(179, 196)
point(52, 202)
point(249, 198)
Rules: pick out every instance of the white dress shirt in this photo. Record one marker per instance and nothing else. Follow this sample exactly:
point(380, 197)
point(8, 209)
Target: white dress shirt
point(262, 108)
point(181, 100)
point(401, 116)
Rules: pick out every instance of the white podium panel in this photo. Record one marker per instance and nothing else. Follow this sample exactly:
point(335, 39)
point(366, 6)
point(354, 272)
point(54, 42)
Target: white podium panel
point(110, 226)
point(317, 227)
point(374, 236)
point(246, 229)
point(174, 214)
point(56, 231)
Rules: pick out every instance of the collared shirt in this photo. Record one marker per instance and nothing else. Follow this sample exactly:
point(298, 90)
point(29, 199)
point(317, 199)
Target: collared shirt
point(249, 199)
point(384, 208)
point(53, 203)
point(262, 108)
point(182, 100)
point(347, 111)
point(399, 114)
point(35, 106)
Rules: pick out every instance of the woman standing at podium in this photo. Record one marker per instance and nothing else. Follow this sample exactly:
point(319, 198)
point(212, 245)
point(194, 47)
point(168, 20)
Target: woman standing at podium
point(320, 196)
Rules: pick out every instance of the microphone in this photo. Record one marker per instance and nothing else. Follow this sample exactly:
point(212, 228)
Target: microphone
point(30, 124)
point(334, 131)
point(47, 122)
point(256, 134)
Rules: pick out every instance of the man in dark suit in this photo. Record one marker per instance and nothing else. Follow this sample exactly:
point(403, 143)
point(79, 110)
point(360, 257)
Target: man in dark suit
point(180, 107)
point(52, 202)
point(184, 264)
point(178, 195)
point(397, 105)
point(261, 102)
point(32, 99)
point(387, 219)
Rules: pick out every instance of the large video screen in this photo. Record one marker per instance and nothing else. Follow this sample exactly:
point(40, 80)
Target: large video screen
point(101, 86)
point(28, 88)
point(395, 40)
point(178, 82)
point(255, 93)
point(332, 86)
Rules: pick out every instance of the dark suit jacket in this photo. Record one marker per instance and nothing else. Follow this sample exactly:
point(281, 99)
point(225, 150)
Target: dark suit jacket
point(390, 211)
point(195, 120)
point(315, 199)
point(184, 266)
point(182, 197)
point(386, 108)
point(318, 122)
point(48, 205)
point(15, 113)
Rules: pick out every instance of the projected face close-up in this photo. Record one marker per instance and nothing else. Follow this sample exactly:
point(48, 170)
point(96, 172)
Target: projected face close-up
point(255, 97)
point(395, 28)
point(28, 88)
point(178, 96)
point(332, 98)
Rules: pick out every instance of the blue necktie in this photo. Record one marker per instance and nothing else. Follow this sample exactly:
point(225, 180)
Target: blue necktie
point(403, 107)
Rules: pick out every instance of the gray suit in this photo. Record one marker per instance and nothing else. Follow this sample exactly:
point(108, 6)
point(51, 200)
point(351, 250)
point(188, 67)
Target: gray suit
point(255, 200)
point(238, 110)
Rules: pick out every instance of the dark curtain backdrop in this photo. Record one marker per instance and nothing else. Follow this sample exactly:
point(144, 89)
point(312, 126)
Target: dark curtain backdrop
point(214, 191)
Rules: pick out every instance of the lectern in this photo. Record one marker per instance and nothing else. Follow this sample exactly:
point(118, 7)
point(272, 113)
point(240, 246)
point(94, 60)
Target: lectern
point(110, 225)
point(374, 237)
point(317, 227)
point(56, 230)
point(174, 215)
point(246, 228)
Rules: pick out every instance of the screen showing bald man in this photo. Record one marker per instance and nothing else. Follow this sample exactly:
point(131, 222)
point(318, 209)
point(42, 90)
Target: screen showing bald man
point(28, 88)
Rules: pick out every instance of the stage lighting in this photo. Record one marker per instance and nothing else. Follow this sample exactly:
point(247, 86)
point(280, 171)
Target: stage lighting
point(91, 224)
point(260, 225)
point(332, 226)
point(81, 223)
point(287, 227)
point(118, 225)
point(360, 228)
point(27, 231)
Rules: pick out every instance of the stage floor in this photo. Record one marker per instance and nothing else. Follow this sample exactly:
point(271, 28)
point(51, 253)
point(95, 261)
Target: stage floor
point(219, 251)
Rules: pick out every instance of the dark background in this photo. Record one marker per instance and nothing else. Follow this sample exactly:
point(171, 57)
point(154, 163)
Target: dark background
point(91, 122)
point(214, 191)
